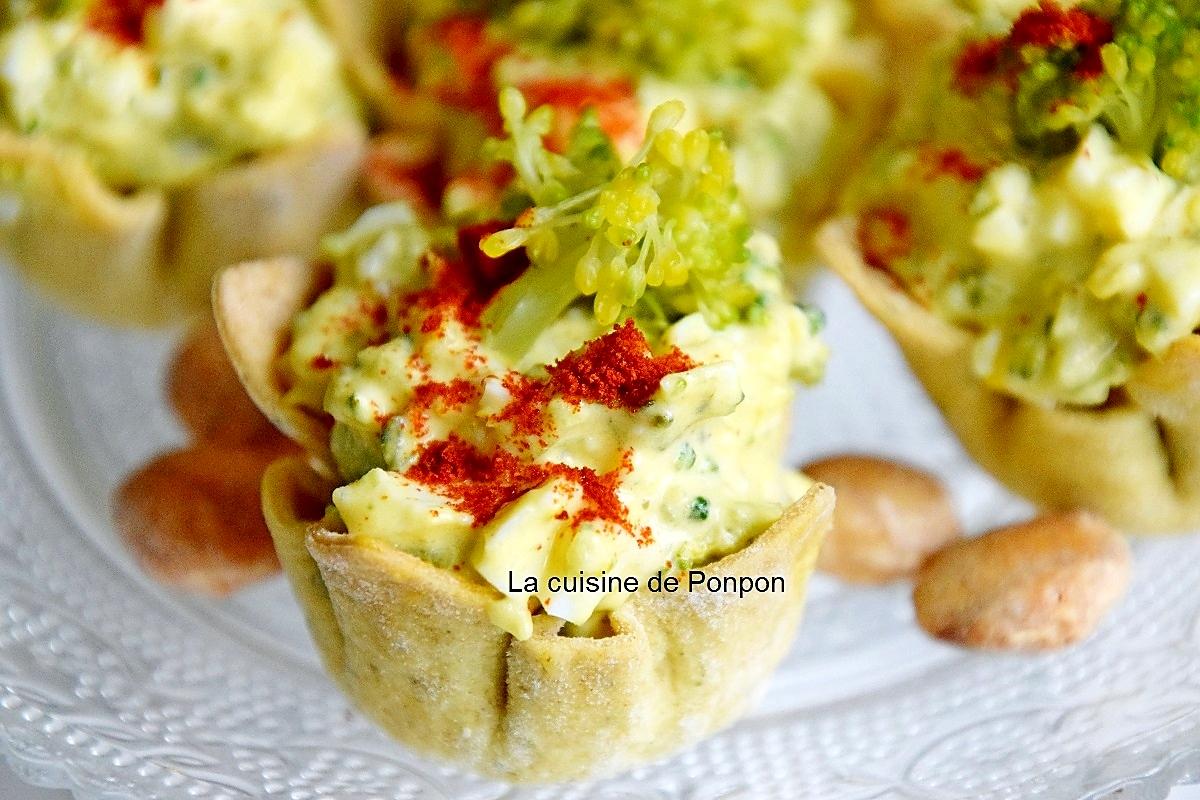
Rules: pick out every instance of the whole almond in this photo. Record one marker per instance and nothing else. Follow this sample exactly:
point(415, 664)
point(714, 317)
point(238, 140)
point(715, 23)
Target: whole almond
point(193, 518)
point(888, 517)
point(1042, 584)
point(208, 397)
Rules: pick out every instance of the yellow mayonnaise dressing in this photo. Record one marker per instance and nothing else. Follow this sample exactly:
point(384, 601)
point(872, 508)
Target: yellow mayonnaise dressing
point(696, 470)
point(204, 83)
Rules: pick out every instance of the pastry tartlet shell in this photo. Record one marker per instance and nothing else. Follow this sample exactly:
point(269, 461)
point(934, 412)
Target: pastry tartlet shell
point(412, 644)
point(1135, 460)
point(148, 257)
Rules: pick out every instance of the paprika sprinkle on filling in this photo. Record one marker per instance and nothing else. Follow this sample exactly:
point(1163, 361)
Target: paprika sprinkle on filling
point(976, 64)
point(1050, 25)
point(951, 162)
point(322, 362)
point(600, 497)
point(452, 295)
point(1047, 26)
point(481, 484)
point(452, 395)
point(463, 285)
point(885, 235)
point(477, 483)
point(508, 425)
point(121, 20)
point(616, 370)
point(525, 411)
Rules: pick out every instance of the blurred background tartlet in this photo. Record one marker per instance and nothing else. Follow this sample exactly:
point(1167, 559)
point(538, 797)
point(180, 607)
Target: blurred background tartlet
point(145, 144)
point(795, 86)
point(1030, 234)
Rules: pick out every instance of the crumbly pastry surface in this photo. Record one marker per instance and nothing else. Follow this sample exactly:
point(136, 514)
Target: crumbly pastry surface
point(413, 646)
point(253, 306)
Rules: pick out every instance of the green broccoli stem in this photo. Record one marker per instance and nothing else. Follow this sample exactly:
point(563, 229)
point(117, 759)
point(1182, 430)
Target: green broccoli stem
point(526, 307)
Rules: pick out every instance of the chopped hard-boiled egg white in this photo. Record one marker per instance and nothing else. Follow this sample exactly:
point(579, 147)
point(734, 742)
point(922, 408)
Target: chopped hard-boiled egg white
point(1040, 192)
point(192, 86)
point(1070, 271)
point(581, 482)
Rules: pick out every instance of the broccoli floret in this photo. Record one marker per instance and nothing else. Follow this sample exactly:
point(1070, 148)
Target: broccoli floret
point(687, 40)
point(662, 236)
point(1132, 66)
point(1178, 147)
point(15, 10)
point(732, 42)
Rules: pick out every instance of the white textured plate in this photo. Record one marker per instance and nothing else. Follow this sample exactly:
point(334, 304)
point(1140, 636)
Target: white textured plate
point(117, 688)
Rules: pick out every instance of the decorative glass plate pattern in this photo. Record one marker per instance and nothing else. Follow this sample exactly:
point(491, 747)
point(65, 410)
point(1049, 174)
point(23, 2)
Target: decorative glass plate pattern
point(121, 690)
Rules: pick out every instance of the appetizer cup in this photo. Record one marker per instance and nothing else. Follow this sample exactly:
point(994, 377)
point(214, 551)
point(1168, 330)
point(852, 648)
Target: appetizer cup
point(127, 219)
point(543, 540)
point(413, 646)
point(1135, 460)
point(1029, 233)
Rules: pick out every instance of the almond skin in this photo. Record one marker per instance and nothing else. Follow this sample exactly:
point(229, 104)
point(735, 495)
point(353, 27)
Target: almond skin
point(888, 518)
point(206, 394)
point(1039, 585)
point(192, 518)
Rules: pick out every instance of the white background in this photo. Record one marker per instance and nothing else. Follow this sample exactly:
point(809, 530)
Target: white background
point(11, 788)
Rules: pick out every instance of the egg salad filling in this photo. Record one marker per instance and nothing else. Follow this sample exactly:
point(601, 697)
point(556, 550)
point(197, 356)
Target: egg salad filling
point(771, 75)
point(594, 386)
point(1042, 192)
point(158, 92)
